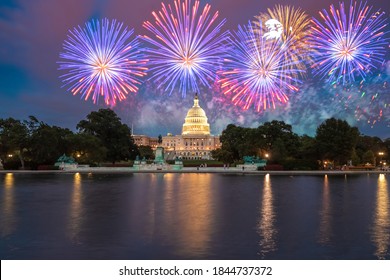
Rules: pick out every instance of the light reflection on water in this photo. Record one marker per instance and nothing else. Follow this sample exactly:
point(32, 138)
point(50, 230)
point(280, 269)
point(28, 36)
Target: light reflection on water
point(266, 227)
point(76, 207)
point(325, 214)
point(381, 229)
point(8, 218)
point(193, 225)
point(194, 216)
point(181, 218)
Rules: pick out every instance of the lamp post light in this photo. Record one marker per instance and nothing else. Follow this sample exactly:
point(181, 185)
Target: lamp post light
point(380, 157)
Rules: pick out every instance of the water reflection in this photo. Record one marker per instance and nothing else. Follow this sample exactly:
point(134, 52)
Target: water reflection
point(141, 204)
point(8, 218)
point(169, 200)
point(194, 215)
point(174, 210)
point(325, 214)
point(381, 230)
point(76, 207)
point(151, 202)
point(266, 227)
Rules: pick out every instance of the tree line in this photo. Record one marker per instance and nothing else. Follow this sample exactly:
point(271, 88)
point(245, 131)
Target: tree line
point(336, 143)
point(102, 137)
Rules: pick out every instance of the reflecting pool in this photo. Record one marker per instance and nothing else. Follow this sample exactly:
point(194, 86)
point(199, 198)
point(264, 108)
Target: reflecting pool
point(194, 216)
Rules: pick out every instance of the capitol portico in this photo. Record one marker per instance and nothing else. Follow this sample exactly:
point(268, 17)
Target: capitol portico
point(195, 141)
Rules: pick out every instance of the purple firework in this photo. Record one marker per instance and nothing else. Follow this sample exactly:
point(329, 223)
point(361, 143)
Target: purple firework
point(186, 49)
point(258, 71)
point(348, 43)
point(100, 60)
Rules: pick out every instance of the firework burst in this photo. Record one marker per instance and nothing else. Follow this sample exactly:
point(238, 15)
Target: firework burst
point(187, 46)
point(100, 60)
point(294, 28)
point(258, 71)
point(349, 43)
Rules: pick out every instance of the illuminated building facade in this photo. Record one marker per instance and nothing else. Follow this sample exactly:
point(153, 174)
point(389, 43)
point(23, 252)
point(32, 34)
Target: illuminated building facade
point(195, 141)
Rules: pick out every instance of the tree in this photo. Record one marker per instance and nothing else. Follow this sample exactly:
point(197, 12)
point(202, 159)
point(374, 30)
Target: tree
point(222, 155)
point(13, 139)
point(307, 148)
point(232, 139)
point(368, 157)
point(115, 136)
point(335, 140)
point(33, 140)
point(48, 143)
point(275, 137)
point(279, 151)
point(87, 148)
point(355, 158)
point(386, 149)
point(252, 144)
point(278, 137)
point(367, 143)
point(146, 152)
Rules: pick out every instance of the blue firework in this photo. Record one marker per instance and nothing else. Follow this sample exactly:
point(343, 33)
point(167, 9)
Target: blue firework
point(186, 47)
point(100, 60)
point(348, 42)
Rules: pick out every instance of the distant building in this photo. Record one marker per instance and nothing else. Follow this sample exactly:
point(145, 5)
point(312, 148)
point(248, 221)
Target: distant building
point(144, 140)
point(195, 141)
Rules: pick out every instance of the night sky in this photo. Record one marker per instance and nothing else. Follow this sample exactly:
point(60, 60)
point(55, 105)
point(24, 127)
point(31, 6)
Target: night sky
point(31, 38)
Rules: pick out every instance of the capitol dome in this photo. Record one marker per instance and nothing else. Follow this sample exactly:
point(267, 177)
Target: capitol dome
point(195, 122)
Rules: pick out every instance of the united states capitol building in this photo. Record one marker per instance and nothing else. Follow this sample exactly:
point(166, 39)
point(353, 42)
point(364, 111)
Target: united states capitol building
point(195, 141)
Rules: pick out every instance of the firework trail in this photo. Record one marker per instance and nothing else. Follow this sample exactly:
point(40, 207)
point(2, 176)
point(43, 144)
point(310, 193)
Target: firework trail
point(187, 46)
point(349, 43)
point(101, 61)
point(257, 71)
